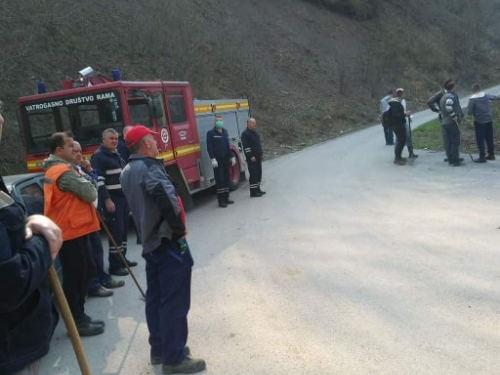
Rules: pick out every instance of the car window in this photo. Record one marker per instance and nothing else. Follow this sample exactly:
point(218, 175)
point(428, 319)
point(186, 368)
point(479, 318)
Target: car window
point(29, 193)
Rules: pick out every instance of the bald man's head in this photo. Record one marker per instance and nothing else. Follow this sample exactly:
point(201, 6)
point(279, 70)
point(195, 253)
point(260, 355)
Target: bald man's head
point(251, 123)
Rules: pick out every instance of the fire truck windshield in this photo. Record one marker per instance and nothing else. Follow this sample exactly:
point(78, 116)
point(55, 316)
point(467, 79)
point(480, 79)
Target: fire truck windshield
point(85, 115)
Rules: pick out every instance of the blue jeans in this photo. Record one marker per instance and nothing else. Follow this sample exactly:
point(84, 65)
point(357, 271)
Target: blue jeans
point(168, 299)
point(389, 135)
point(101, 278)
point(117, 223)
point(484, 134)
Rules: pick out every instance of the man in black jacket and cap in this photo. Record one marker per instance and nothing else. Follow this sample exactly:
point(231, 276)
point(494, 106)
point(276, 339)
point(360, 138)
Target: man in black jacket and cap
point(27, 314)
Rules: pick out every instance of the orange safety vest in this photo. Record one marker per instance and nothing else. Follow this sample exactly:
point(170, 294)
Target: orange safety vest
point(75, 217)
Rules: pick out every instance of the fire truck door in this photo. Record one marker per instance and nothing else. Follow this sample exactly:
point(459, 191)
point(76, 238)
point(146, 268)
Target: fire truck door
point(184, 134)
point(147, 109)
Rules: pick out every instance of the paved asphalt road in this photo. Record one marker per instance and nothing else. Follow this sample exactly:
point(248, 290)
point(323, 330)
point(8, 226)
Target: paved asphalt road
point(349, 265)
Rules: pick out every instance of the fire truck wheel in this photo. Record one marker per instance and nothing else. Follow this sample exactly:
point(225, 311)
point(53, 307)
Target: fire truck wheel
point(234, 173)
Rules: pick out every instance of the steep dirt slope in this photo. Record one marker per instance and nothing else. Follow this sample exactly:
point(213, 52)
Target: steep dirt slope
point(309, 73)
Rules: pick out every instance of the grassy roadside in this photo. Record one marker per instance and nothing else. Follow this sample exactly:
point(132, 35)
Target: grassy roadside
point(428, 136)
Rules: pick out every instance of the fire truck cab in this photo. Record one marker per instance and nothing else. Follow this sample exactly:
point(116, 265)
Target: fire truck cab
point(168, 108)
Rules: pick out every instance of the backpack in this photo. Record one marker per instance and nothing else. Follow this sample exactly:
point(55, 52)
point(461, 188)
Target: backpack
point(396, 113)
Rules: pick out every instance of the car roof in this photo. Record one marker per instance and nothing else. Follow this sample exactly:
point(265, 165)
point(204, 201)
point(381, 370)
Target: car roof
point(17, 178)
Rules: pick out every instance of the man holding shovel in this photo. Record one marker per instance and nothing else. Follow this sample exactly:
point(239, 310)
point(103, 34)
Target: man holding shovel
point(27, 315)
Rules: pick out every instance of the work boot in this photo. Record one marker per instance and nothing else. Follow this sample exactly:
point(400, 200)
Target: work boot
point(459, 159)
point(226, 198)
point(255, 194)
point(490, 157)
point(157, 359)
point(221, 198)
point(112, 284)
point(130, 263)
point(481, 159)
point(457, 164)
point(400, 161)
point(413, 156)
point(101, 292)
point(188, 366)
point(86, 328)
point(118, 271)
point(98, 322)
point(260, 191)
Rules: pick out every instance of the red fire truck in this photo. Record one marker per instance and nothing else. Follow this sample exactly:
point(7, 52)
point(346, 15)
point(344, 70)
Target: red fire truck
point(92, 103)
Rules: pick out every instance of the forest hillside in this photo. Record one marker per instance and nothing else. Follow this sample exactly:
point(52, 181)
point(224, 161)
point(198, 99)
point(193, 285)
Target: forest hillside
point(312, 69)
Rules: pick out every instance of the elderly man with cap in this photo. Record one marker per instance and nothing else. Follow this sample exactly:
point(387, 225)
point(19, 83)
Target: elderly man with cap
point(159, 217)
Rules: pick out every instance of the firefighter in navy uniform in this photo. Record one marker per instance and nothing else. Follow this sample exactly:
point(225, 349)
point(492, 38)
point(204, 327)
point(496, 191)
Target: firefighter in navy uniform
point(220, 155)
point(108, 165)
point(253, 154)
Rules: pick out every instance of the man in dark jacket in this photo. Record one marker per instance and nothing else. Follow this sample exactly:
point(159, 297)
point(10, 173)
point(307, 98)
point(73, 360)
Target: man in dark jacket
point(253, 154)
point(159, 217)
point(451, 116)
point(27, 315)
point(479, 107)
point(221, 157)
point(112, 203)
point(102, 282)
point(433, 104)
point(397, 118)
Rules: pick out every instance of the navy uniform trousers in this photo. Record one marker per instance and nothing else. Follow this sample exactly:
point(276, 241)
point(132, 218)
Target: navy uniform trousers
point(117, 223)
point(221, 174)
point(168, 299)
point(255, 171)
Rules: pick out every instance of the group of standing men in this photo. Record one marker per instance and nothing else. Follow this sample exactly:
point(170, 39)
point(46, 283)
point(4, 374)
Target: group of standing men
point(71, 187)
point(447, 104)
point(70, 229)
point(222, 158)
